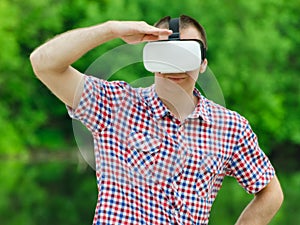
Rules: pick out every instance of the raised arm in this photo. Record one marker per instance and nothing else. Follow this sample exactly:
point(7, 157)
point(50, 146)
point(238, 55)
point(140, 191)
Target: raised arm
point(264, 206)
point(52, 61)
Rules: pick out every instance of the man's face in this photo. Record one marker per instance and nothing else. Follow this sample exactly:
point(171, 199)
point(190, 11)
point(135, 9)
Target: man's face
point(185, 80)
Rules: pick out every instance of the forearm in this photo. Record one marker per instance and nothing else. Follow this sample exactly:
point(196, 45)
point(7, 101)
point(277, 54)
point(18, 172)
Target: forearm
point(264, 206)
point(60, 52)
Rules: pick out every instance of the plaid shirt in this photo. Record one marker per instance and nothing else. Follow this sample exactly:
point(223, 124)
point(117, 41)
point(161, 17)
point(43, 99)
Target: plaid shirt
point(152, 168)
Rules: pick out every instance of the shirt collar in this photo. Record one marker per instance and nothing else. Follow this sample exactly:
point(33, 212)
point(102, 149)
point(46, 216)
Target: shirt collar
point(201, 110)
point(159, 110)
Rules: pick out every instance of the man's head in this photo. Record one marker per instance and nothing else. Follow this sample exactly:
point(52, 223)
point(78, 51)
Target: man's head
point(189, 28)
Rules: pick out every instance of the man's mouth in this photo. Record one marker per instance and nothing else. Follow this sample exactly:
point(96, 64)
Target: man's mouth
point(175, 78)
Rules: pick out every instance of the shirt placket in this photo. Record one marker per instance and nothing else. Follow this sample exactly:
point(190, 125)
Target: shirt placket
point(169, 189)
point(177, 205)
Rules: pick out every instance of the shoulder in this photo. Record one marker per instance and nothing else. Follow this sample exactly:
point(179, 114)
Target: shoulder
point(101, 84)
point(114, 88)
point(219, 114)
point(95, 81)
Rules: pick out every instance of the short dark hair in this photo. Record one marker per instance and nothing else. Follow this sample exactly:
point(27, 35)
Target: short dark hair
point(185, 21)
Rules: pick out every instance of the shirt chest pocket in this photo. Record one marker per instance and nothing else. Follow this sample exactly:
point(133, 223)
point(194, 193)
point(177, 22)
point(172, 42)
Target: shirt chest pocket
point(141, 151)
point(209, 177)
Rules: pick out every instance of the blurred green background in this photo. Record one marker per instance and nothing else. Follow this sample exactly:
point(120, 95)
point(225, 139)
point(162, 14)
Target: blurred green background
point(253, 51)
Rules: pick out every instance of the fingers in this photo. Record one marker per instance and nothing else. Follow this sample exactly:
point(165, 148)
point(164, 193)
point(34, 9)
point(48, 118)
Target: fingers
point(153, 33)
point(145, 28)
point(150, 37)
point(157, 31)
point(134, 32)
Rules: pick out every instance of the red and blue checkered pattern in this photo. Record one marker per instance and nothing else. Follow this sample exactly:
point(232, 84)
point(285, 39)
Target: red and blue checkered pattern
point(152, 168)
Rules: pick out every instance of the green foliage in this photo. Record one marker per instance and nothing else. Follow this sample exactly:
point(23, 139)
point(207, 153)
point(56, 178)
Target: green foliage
point(253, 52)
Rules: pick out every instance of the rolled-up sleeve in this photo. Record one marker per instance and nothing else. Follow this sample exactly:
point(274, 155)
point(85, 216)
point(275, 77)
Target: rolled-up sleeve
point(249, 164)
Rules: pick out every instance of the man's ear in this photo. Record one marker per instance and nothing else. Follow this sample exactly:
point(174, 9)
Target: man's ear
point(203, 66)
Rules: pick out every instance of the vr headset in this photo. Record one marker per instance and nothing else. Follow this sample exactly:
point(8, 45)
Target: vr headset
point(174, 55)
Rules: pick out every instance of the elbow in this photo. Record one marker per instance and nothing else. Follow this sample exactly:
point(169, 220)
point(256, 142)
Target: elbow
point(44, 65)
point(280, 197)
point(277, 202)
point(278, 193)
point(273, 192)
point(35, 60)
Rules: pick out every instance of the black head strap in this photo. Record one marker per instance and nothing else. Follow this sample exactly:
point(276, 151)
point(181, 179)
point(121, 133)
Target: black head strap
point(174, 26)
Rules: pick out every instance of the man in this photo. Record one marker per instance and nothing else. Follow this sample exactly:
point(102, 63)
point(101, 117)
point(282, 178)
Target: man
point(161, 152)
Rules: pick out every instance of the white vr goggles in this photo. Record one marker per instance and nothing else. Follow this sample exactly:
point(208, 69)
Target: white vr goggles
point(174, 55)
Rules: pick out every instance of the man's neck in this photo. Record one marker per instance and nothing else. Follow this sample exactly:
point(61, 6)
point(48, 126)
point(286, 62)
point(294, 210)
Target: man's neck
point(179, 101)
